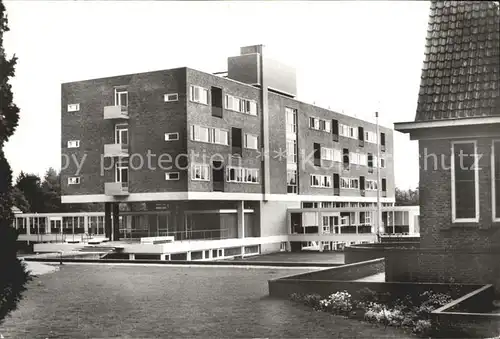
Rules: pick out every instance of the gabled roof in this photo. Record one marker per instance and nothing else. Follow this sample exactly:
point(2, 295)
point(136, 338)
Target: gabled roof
point(461, 71)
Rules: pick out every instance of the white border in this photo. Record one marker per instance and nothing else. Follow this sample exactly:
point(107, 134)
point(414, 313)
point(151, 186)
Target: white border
point(476, 183)
point(408, 126)
point(165, 97)
point(166, 196)
point(495, 218)
point(173, 133)
point(76, 143)
point(167, 177)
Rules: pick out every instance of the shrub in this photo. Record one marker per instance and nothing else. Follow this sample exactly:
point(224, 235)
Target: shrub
point(422, 327)
point(338, 303)
point(311, 300)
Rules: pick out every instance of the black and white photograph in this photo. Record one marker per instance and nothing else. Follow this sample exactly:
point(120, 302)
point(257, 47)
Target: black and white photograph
point(249, 169)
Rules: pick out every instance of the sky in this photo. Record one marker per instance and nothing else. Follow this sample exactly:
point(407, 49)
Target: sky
point(355, 57)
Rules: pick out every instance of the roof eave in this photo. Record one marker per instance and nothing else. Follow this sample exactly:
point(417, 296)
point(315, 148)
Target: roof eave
point(407, 127)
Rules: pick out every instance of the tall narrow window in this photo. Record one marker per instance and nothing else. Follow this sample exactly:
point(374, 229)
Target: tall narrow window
point(291, 120)
point(361, 136)
point(335, 130)
point(345, 158)
point(216, 94)
point(291, 179)
point(236, 140)
point(495, 170)
point(317, 154)
point(121, 172)
point(121, 97)
point(384, 187)
point(336, 184)
point(464, 182)
point(382, 142)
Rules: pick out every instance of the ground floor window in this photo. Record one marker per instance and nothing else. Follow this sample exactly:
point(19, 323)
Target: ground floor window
point(465, 186)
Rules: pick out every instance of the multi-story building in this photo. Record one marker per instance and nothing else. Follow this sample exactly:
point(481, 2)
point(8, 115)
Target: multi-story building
point(215, 155)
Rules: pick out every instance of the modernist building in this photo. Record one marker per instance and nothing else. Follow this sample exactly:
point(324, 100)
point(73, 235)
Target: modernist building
point(457, 126)
point(216, 155)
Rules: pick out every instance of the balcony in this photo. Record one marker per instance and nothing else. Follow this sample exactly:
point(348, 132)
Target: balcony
point(384, 194)
point(115, 112)
point(115, 150)
point(363, 193)
point(116, 188)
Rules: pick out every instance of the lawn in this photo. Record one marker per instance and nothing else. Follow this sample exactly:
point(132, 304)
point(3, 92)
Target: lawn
point(118, 301)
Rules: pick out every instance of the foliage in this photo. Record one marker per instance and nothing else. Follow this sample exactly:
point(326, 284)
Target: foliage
point(377, 308)
point(407, 197)
point(13, 274)
point(338, 303)
point(44, 195)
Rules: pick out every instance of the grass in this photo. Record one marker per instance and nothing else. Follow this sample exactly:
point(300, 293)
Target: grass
point(96, 301)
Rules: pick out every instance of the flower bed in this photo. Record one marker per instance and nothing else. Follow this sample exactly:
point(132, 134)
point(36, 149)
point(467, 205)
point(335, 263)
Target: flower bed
point(409, 313)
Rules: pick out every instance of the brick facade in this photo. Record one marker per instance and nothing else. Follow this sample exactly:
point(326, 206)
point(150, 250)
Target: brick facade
point(150, 117)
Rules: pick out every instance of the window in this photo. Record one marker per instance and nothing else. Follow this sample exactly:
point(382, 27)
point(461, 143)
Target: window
point(335, 130)
point(242, 175)
point(327, 153)
point(317, 154)
point(291, 120)
point(349, 183)
point(171, 136)
point(371, 185)
point(236, 141)
point(348, 131)
point(291, 180)
point(121, 97)
point(314, 123)
point(73, 107)
point(73, 143)
point(345, 155)
point(371, 137)
point(121, 134)
point(211, 135)
point(220, 136)
point(495, 175)
point(320, 124)
point(464, 182)
point(216, 95)
point(382, 142)
point(199, 133)
point(291, 151)
point(322, 181)
point(171, 97)
point(198, 94)
point(121, 171)
point(73, 180)
point(251, 141)
point(200, 172)
point(241, 105)
point(382, 163)
point(172, 176)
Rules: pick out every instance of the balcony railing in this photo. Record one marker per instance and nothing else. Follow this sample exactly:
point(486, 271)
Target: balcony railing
point(211, 234)
point(116, 188)
point(115, 112)
point(336, 191)
point(384, 194)
point(115, 150)
point(370, 169)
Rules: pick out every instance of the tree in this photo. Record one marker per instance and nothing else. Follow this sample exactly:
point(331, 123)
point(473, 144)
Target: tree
point(13, 274)
point(19, 200)
point(31, 186)
point(51, 191)
point(407, 198)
